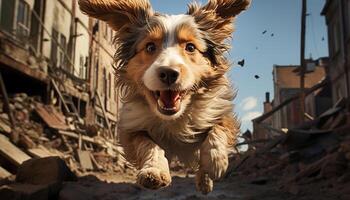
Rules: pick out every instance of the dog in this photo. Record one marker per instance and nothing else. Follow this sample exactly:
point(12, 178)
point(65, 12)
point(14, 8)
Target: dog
point(171, 73)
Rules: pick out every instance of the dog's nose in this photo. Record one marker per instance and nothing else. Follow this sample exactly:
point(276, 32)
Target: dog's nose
point(168, 75)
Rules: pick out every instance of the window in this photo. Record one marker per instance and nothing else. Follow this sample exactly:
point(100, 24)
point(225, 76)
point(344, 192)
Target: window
point(105, 82)
point(7, 15)
point(96, 81)
point(62, 50)
point(23, 20)
point(105, 31)
point(58, 49)
point(83, 67)
point(54, 47)
point(109, 85)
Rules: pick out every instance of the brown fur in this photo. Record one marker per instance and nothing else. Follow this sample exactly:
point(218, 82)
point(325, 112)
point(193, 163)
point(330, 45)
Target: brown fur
point(205, 131)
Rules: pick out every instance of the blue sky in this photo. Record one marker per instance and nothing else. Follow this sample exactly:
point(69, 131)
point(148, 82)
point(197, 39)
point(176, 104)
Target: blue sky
point(261, 51)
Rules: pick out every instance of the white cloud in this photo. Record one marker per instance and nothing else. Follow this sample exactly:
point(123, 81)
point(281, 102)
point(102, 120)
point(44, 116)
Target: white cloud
point(250, 115)
point(249, 103)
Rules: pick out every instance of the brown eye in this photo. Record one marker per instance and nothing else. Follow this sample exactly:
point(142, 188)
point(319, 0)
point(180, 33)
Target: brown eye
point(190, 47)
point(151, 47)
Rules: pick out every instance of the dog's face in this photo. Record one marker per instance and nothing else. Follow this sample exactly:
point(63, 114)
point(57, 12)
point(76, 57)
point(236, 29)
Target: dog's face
point(167, 58)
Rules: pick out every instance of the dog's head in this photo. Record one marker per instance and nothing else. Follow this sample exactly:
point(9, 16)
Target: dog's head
point(167, 58)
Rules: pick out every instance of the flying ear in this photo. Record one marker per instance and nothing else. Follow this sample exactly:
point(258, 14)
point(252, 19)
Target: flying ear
point(227, 8)
point(118, 13)
point(216, 17)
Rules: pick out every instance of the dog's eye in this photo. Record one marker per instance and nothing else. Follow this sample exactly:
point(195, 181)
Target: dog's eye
point(190, 47)
point(151, 47)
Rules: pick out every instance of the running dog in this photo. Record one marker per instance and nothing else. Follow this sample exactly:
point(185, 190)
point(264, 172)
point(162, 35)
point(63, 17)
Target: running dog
point(177, 99)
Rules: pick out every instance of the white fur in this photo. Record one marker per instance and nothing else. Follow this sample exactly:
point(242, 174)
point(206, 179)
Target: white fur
point(178, 136)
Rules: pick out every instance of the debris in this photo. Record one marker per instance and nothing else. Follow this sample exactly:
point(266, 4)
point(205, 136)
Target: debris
point(241, 63)
point(256, 76)
point(85, 160)
point(265, 31)
point(44, 171)
point(11, 152)
point(51, 117)
point(314, 154)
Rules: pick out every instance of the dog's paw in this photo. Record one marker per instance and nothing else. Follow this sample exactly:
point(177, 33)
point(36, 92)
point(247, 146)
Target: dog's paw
point(204, 183)
point(153, 178)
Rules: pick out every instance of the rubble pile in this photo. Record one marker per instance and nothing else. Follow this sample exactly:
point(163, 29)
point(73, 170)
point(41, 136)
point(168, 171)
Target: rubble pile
point(312, 158)
point(38, 131)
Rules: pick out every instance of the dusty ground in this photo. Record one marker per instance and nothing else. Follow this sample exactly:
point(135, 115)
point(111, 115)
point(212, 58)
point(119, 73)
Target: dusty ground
point(182, 188)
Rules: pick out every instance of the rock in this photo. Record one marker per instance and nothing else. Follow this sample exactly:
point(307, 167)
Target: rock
point(5, 128)
point(29, 192)
point(22, 95)
point(4, 116)
point(18, 106)
point(18, 99)
point(44, 171)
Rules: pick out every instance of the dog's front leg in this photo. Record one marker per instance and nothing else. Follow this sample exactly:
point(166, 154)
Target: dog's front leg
point(213, 159)
point(149, 158)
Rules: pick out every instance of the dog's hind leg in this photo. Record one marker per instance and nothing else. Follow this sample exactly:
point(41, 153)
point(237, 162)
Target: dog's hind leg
point(149, 158)
point(213, 157)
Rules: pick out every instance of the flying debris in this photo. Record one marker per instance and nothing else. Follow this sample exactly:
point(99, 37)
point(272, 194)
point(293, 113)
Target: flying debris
point(256, 76)
point(265, 31)
point(256, 48)
point(241, 63)
point(322, 38)
point(272, 34)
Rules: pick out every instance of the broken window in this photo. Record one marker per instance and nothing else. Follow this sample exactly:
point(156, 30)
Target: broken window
point(58, 50)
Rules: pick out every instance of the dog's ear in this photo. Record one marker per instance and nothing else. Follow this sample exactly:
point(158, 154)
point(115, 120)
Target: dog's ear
point(118, 13)
point(216, 17)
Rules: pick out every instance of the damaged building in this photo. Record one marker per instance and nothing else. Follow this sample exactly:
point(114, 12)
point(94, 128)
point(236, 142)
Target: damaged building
point(45, 50)
point(57, 87)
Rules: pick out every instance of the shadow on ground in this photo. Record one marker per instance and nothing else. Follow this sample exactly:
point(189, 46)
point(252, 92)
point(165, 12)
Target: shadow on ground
point(91, 188)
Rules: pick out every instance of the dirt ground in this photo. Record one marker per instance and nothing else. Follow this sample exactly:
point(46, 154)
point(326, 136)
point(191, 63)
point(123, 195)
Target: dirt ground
point(121, 186)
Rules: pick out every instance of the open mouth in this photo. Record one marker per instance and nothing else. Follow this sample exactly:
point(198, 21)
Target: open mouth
point(168, 101)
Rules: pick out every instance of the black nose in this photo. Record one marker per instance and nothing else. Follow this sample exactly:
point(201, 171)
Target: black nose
point(168, 75)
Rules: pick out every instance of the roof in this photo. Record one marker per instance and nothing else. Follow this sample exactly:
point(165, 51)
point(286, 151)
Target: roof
point(285, 76)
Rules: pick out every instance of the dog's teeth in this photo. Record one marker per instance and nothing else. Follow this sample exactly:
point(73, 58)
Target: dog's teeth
point(161, 104)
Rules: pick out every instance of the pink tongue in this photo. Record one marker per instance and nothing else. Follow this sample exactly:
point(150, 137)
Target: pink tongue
point(169, 98)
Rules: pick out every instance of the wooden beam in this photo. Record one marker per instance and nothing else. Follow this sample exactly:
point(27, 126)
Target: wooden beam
point(289, 100)
point(105, 115)
point(11, 152)
point(4, 173)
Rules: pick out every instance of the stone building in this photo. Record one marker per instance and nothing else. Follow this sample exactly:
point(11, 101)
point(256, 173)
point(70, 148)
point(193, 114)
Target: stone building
point(337, 14)
point(48, 48)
